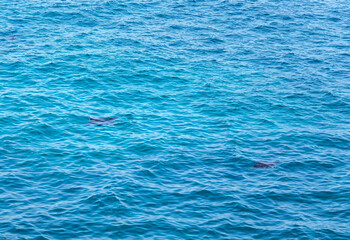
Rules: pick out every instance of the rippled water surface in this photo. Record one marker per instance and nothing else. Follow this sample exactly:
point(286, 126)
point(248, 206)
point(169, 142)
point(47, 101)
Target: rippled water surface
point(203, 90)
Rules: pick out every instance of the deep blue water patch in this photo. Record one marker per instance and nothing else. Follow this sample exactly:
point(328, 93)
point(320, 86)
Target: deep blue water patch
point(204, 90)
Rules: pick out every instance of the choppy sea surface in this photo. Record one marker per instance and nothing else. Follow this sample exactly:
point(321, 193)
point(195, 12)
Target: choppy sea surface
point(203, 90)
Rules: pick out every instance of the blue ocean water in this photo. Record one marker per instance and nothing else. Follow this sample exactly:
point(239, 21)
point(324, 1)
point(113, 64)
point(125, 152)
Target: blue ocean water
point(203, 90)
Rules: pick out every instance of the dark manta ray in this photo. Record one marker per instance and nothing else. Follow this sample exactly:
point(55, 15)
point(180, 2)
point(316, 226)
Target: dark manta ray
point(264, 165)
point(102, 121)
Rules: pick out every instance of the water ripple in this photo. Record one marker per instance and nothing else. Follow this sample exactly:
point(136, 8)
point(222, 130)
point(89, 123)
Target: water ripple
point(203, 90)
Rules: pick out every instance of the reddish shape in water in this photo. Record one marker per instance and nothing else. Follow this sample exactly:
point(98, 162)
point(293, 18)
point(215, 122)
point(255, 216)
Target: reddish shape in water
point(264, 165)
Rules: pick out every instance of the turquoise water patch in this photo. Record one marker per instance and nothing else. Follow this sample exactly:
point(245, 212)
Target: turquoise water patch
point(204, 90)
